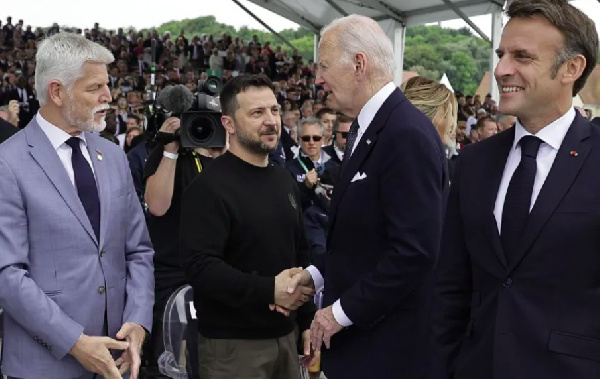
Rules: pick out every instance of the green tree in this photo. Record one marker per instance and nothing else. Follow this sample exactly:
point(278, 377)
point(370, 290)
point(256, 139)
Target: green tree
point(429, 50)
point(429, 74)
point(461, 71)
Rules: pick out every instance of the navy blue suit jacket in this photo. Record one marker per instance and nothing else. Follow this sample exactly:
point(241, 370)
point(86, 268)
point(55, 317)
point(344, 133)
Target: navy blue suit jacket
point(539, 316)
point(382, 246)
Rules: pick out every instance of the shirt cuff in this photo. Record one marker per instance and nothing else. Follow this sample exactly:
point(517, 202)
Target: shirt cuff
point(317, 278)
point(339, 315)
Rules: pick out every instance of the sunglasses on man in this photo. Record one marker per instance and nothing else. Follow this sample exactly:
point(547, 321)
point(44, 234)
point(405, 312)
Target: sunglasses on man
point(343, 134)
point(308, 138)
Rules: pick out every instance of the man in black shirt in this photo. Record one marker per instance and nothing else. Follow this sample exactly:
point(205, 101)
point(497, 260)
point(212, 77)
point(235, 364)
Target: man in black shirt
point(168, 171)
point(242, 231)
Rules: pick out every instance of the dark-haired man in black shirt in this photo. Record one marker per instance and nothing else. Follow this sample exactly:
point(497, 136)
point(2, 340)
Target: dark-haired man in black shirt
point(169, 169)
point(242, 233)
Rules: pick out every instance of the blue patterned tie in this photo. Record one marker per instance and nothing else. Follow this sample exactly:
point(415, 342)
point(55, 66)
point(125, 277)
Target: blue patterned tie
point(518, 196)
point(86, 185)
point(350, 140)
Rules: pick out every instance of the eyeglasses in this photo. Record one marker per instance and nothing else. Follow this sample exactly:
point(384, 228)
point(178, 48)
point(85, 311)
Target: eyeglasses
point(308, 138)
point(343, 134)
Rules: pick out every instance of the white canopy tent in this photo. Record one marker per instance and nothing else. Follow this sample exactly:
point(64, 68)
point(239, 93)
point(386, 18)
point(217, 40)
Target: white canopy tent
point(444, 80)
point(394, 16)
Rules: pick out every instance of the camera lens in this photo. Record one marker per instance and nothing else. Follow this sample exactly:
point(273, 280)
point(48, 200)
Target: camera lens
point(201, 129)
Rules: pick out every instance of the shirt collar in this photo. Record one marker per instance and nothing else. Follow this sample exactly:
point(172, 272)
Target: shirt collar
point(56, 135)
point(369, 110)
point(552, 135)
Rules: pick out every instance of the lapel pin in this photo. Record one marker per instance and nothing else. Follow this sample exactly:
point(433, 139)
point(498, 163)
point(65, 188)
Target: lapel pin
point(574, 153)
point(368, 142)
point(99, 156)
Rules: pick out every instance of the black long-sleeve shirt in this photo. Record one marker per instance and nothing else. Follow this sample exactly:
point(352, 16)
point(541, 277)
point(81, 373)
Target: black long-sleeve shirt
point(241, 225)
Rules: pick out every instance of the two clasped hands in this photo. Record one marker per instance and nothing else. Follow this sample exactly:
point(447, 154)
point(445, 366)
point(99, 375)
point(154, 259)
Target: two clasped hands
point(294, 287)
point(93, 353)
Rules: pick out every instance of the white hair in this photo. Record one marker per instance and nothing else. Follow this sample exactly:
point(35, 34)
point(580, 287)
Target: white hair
point(309, 121)
point(62, 57)
point(360, 34)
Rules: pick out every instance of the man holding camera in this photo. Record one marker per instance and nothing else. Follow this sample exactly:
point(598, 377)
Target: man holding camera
point(169, 170)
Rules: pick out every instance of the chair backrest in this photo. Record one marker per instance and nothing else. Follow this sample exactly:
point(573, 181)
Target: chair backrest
point(178, 314)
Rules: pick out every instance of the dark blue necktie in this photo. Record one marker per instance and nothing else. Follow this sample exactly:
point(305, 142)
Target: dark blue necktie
point(86, 185)
point(518, 196)
point(350, 140)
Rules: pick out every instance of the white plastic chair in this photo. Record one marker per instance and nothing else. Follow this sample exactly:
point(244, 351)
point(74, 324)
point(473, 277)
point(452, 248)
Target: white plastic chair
point(179, 313)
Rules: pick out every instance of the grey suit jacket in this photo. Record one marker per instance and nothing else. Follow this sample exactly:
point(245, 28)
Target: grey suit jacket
point(56, 280)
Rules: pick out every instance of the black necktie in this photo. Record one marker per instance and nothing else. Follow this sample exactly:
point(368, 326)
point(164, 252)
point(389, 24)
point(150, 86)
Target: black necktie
point(350, 140)
point(86, 185)
point(518, 196)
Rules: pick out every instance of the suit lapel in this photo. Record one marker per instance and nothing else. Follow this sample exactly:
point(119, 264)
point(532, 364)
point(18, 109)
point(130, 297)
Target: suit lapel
point(362, 151)
point(494, 167)
point(560, 178)
point(102, 182)
point(44, 154)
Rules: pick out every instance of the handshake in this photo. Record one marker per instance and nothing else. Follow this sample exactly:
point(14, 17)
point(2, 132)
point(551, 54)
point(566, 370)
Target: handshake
point(293, 288)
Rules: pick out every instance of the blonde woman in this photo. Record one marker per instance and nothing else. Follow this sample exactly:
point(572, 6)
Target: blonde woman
point(439, 104)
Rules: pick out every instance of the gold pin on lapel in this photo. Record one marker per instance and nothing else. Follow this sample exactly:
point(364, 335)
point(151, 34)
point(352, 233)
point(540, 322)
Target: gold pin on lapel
point(574, 153)
point(99, 156)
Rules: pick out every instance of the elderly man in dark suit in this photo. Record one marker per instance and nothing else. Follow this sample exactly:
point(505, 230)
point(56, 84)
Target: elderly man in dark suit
point(385, 219)
point(518, 294)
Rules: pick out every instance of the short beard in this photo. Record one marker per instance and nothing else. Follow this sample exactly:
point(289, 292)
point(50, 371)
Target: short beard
point(255, 146)
point(83, 125)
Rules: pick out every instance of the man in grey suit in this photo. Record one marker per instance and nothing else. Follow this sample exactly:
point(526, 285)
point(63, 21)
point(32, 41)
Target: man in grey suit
point(76, 268)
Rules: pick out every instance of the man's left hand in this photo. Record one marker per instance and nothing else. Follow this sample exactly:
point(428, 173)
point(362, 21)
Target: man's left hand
point(134, 334)
point(323, 328)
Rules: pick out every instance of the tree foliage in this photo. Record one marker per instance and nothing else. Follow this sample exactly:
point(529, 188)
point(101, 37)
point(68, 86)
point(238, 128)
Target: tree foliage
point(430, 50)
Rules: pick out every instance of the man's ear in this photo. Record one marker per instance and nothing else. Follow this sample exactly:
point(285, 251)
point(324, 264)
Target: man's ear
point(574, 68)
point(227, 122)
point(57, 93)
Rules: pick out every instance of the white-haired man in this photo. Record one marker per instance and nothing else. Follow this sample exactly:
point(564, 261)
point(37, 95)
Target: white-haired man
point(75, 258)
point(385, 215)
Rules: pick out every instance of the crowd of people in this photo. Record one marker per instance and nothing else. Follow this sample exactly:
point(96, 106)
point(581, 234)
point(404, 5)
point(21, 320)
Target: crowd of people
point(446, 236)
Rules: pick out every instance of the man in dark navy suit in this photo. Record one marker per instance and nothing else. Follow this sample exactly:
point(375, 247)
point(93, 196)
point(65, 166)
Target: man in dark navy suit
point(385, 218)
point(518, 289)
point(341, 126)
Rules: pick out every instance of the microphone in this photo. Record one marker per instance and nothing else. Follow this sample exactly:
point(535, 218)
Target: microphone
point(176, 99)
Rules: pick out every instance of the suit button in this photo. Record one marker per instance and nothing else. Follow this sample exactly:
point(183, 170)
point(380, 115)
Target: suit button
point(507, 283)
point(101, 289)
point(102, 254)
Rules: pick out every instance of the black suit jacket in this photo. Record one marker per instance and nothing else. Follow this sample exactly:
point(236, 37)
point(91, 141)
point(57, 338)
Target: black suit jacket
point(537, 317)
point(287, 142)
point(382, 245)
point(9, 94)
point(330, 150)
point(6, 130)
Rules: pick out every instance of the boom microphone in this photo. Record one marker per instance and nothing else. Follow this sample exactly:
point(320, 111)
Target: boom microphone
point(176, 99)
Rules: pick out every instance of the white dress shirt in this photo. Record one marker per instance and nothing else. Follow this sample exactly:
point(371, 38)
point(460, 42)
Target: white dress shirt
point(339, 152)
point(58, 139)
point(552, 137)
point(365, 117)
